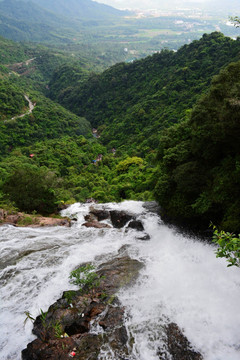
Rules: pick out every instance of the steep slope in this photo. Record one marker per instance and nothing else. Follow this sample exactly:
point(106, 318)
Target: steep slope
point(27, 21)
point(131, 103)
point(28, 11)
point(48, 121)
point(11, 52)
point(198, 180)
point(12, 101)
point(52, 21)
point(53, 143)
point(81, 9)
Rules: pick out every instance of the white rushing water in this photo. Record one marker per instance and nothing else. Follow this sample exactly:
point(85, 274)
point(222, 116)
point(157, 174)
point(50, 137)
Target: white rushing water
point(181, 282)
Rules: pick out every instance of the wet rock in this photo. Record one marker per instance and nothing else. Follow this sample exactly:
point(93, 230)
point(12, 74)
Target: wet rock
point(88, 346)
point(100, 214)
point(90, 218)
point(81, 322)
point(77, 311)
point(144, 237)
point(120, 218)
point(136, 224)
point(96, 224)
point(178, 345)
point(118, 272)
point(57, 349)
point(114, 316)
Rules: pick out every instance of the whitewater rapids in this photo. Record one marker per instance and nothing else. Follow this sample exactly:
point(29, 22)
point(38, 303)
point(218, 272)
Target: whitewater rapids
point(182, 282)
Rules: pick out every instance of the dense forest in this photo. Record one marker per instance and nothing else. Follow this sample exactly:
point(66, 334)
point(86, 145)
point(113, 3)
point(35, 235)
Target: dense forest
point(131, 103)
point(166, 128)
point(198, 174)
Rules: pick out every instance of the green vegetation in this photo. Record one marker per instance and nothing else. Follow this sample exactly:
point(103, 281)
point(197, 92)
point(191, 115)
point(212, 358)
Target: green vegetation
point(198, 174)
point(31, 188)
point(85, 276)
point(107, 33)
point(168, 128)
point(131, 103)
point(28, 317)
point(12, 101)
point(228, 246)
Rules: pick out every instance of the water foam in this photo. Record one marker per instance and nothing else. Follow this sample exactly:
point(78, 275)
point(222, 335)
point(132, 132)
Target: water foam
point(182, 282)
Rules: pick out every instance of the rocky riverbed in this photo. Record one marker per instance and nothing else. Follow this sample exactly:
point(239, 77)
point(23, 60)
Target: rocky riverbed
point(86, 324)
point(29, 220)
point(160, 299)
point(89, 323)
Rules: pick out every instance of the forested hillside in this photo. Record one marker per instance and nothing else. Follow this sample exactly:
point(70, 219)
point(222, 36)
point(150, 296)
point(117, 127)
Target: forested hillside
point(163, 131)
point(51, 21)
point(81, 9)
point(198, 177)
point(131, 103)
point(51, 152)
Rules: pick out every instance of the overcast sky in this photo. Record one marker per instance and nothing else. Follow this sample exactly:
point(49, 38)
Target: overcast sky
point(168, 4)
point(148, 4)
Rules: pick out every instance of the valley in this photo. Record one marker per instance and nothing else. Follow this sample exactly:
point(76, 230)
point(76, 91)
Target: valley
point(126, 124)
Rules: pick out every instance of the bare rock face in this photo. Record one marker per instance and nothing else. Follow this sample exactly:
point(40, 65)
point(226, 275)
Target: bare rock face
point(66, 328)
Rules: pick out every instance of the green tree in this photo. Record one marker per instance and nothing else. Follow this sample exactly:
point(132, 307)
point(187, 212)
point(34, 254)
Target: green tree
point(32, 189)
point(235, 20)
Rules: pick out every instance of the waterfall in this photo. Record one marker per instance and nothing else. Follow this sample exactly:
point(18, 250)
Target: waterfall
point(181, 282)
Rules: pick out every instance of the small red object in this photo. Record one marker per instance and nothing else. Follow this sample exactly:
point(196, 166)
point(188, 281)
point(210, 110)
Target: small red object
point(31, 155)
point(73, 353)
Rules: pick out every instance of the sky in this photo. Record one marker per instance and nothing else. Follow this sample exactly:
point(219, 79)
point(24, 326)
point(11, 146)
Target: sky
point(147, 4)
point(170, 4)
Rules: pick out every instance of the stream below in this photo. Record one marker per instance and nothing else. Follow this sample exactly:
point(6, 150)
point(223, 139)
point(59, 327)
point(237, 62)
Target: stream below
point(181, 282)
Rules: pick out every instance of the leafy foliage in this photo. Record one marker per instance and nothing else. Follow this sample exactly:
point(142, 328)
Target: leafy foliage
point(32, 188)
point(229, 246)
point(84, 277)
point(198, 175)
point(131, 103)
point(140, 109)
point(12, 101)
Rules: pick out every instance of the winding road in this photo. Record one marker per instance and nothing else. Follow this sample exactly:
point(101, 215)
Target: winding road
point(30, 110)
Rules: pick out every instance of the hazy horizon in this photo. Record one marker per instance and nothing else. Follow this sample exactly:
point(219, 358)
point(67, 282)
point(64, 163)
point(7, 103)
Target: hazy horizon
point(173, 4)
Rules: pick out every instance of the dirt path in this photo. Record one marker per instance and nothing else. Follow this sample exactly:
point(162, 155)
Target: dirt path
point(30, 110)
point(26, 62)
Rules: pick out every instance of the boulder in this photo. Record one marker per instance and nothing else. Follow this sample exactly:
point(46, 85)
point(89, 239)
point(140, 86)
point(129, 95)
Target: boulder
point(143, 237)
point(96, 224)
point(120, 218)
point(136, 224)
point(66, 327)
point(90, 217)
point(100, 214)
